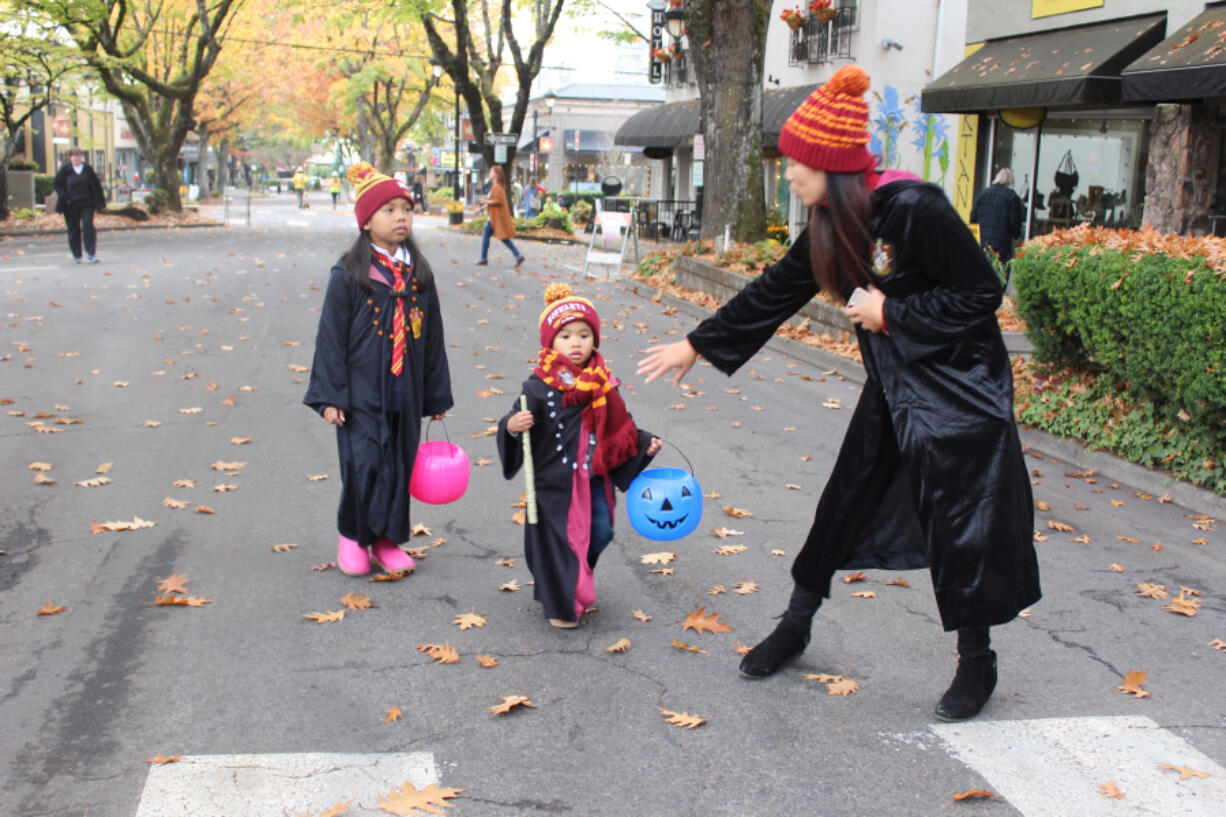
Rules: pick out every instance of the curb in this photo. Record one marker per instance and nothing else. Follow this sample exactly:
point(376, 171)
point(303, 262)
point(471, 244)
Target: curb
point(522, 237)
point(124, 228)
point(1064, 450)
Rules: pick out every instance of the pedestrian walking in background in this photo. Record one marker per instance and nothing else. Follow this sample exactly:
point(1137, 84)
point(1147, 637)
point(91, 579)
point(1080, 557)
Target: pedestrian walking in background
point(499, 222)
point(334, 188)
point(380, 367)
point(78, 193)
point(419, 195)
point(930, 473)
point(999, 213)
point(583, 443)
point(300, 182)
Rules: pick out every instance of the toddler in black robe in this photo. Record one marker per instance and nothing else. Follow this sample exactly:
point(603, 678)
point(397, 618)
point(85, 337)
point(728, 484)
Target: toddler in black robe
point(583, 444)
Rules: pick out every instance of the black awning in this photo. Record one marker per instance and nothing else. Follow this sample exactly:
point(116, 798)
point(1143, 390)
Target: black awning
point(1189, 64)
point(1068, 67)
point(777, 105)
point(670, 125)
point(673, 124)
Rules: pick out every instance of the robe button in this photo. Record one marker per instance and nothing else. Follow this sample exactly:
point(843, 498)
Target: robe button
point(369, 301)
point(376, 310)
point(374, 323)
point(380, 333)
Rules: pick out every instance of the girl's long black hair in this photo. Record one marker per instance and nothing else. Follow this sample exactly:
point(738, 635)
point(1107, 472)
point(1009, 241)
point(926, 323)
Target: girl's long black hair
point(840, 234)
point(356, 262)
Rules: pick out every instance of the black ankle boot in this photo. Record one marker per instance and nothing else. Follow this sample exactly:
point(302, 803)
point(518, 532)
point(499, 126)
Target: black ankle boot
point(788, 640)
point(972, 686)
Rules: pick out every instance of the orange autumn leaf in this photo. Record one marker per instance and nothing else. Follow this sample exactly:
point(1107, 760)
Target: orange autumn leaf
point(699, 622)
point(738, 513)
point(858, 576)
point(1152, 591)
point(440, 653)
point(466, 621)
point(1060, 526)
point(325, 618)
point(1109, 789)
point(284, 547)
point(640, 615)
point(1185, 772)
point(176, 583)
point(683, 719)
point(744, 588)
point(487, 661)
point(740, 649)
point(161, 759)
point(843, 686)
point(1218, 644)
point(865, 594)
point(509, 702)
point(621, 645)
point(408, 800)
point(899, 582)
point(394, 714)
point(353, 601)
point(662, 558)
point(50, 609)
point(973, 794)
point(204, 509)
point(681, 645)
point(1132, 683)
point(730, 550)
point(1183, 606)
point(394, 576)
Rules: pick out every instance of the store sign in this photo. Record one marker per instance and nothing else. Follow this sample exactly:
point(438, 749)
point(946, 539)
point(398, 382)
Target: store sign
point(500, 154)
point(655, 70)
point(61, 126)
point(546, 144)
point(577, 140)
point(700, 148)
point(1046, 8)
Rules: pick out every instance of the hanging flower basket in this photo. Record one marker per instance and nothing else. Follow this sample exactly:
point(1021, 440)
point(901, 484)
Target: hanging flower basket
point(793, 18)
point(821, 10)
point(661, 55)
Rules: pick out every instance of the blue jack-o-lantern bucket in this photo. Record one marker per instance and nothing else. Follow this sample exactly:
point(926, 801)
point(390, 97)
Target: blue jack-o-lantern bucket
point(664, 504)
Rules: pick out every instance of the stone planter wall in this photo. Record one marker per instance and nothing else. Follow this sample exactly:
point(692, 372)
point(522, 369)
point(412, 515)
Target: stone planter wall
point(1179, 181)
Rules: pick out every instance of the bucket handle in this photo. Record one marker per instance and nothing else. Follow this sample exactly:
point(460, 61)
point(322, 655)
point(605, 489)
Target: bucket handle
point(682, 453)
point(445, 434)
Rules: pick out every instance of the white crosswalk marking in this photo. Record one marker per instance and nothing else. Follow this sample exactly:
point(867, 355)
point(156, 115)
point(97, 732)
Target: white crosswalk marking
point(1055, 767)
point(272, 784)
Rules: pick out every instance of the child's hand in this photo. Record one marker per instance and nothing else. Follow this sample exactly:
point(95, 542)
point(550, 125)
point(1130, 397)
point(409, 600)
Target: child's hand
point(869, 313)
point(520, 421)
point(334, 415)
point(653, 447)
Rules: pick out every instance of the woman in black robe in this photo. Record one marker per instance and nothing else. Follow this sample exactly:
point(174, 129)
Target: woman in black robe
point(931, 471)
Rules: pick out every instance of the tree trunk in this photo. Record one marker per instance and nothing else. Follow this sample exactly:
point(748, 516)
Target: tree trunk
point(4, 189)
point(223, 165)
point(202, 130)
point(727, 43)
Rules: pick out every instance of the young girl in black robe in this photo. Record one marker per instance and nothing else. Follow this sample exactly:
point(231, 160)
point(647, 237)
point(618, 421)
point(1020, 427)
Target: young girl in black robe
point(380, 367)
point(584, 443)
point(931, 472)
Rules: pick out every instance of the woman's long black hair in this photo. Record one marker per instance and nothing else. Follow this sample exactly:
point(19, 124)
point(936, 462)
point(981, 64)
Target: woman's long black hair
point(840, 235)
point(356, 262)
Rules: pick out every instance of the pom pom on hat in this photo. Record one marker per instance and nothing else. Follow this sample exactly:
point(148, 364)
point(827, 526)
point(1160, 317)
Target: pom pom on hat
point(372, 190)
point(829, 131)
point(562, 306)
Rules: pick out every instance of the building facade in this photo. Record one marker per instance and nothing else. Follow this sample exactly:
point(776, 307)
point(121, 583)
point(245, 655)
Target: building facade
point(1108, 111)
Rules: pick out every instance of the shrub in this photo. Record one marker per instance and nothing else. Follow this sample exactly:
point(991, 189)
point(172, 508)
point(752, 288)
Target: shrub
point(553, 216)
point(439, 195)
point(44, 185)
point(157, 200)
point(22, 213)
point(580, 212)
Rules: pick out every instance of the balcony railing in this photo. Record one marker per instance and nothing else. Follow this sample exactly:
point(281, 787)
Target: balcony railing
point(818, 41)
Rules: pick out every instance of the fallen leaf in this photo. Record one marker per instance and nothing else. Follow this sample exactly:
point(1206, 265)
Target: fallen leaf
point(699, 622)
point(1040, 505)
point(1084, 539)
point(394, 714)
point(973, 794)
point(724, 533)
point(1109, 789)
point(184, 483)
point(640, 615)
point(180, 601)
point(681, 645)
point(510, 587)
point(506, 561)
point(440, 653)
point(1060, 526)
point(1132, 684)
point(740, 649)
point(1185, 772)
point(40, 478)
point(223, 488)
point(136, 524)
point(394, 576)
point(408, 800)
point(621, 645)
point(865, 594)
point(161, 759)
point(294, 367)
point(1183, 606)
point(899, 582)
point(420, 530)
point(316, 477)
point(519, 518)
point(284, 547)
point(176, 504)
point(682, 719)
point(858, 576)
point(744, 588)
point(729, 550)
point(661, 558)
point(466, 621)
point(41, 466)
point(222, 465)
point(843, 686)
point(716, 590)
point(738, 513)
point(778, 553)
point(1152, 591)
point(49, 609)
point(176, 583)
point(152, 423)
point(192, 410)
point(322, 567)
point(239, 440)
point(355, 601)
point(1218, 644)
point(487, 661)
point(663, 571)
point(510, 702)
point(325, 618)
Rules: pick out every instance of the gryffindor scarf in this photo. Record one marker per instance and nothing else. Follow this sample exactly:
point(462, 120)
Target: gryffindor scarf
point(605, 413)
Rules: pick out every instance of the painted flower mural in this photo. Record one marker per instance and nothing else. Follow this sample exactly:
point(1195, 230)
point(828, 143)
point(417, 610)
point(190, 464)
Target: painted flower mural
point(932, 141)
point(887, 122)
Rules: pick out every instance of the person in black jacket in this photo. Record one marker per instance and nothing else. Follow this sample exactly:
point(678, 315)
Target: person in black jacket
point(931, 471)
point(78, 194)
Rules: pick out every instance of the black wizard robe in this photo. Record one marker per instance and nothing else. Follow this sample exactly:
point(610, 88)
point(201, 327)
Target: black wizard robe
point(556, 547)
point(931, 471)
point(352, 371)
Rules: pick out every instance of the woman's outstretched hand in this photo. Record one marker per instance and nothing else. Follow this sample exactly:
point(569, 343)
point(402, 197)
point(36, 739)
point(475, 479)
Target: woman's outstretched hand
point(870, 312)
point(663, 359)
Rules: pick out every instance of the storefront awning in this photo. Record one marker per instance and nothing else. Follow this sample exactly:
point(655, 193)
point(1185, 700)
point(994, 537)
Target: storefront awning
point(1189, 64)
point(673, 124)
point(1069, 67)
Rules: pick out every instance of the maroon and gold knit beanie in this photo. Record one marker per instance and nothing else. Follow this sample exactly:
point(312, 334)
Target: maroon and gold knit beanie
point(562, 306)
point(372, 190)
point(829, 131)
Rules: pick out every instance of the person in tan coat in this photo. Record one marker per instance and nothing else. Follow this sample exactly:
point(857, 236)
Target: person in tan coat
point(499, 224)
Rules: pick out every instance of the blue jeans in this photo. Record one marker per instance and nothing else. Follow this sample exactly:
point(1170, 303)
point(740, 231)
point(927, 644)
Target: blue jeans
point(485, 242)
point(602, 523)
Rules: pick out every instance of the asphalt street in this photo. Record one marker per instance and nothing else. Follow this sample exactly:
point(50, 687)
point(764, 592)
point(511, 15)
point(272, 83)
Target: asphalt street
point(184, 354)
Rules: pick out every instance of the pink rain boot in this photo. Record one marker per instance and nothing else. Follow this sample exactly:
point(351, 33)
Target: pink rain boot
point(351, 557)
point(388, 555)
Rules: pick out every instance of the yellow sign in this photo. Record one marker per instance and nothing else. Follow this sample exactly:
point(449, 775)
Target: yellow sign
point(964, 158)
point(1023, 118)
point(1046, 8)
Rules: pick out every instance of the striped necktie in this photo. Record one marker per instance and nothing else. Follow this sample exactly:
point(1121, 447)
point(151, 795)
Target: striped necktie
point(399, 271)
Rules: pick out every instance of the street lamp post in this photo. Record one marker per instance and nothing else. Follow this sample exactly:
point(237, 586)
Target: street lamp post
point(436, 68)
point(551, 99)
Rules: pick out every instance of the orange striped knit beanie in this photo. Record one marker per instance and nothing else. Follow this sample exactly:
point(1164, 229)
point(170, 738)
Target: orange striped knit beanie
point(372, 190)
point(562, 306)
point(829, 131)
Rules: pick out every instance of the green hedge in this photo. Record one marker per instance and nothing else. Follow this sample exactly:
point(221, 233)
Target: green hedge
point(1136, 346)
